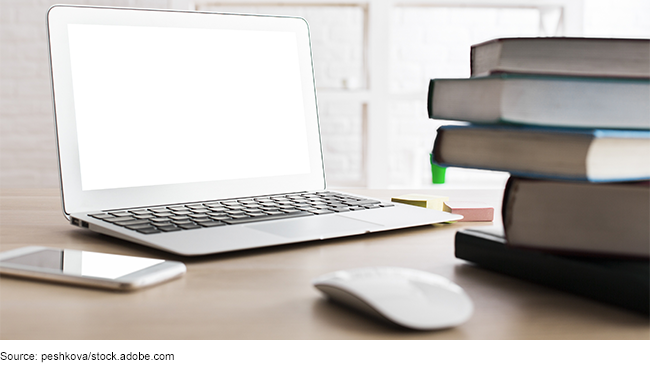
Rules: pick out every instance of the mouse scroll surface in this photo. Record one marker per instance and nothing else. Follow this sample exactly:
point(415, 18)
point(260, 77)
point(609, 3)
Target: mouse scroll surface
point(410, 298)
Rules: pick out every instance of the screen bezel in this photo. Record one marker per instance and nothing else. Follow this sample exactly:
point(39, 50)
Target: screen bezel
point(75, 199)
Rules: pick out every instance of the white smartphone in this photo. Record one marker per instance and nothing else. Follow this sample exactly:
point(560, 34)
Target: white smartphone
point(86, 268)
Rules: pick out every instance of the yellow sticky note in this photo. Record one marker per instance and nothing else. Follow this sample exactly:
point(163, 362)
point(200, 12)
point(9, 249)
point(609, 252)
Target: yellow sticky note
point(422, 200)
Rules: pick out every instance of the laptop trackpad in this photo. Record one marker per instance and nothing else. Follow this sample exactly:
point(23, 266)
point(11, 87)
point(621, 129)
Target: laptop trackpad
point(316, 227)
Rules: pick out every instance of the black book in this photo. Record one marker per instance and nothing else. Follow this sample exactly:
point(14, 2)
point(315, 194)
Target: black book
point(624, 283)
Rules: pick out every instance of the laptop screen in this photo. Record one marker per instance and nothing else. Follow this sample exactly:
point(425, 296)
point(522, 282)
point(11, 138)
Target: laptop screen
point(158, 107)
point(161, 105)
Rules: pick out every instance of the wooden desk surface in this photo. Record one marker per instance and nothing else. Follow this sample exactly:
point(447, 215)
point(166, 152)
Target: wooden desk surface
point(266, 293)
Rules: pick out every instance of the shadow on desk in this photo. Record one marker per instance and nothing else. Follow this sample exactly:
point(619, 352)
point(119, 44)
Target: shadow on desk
point(518, 297)
point(366, 326)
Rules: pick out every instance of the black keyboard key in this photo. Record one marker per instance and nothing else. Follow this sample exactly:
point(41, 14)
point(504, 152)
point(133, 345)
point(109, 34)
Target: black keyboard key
point(217, 212)
point(139, 211)
point(181, 211)
point(235, 212)
point(321, 211)
point(132, 222)
point(179, 217)
point(143, 216)
point(367, 202)
point(119, 219)
point(258, 214)
point(270, 209)
point(201, 220)
point(238, 216)
point(159, 220)
point(218, 216)
point(101, 215)
point(212, 224)
point(189, 226)
point(265, 218)
point(150, 230)
point(119, 213)
point(197, 215)
point(160, 215)
point(162, 224)
point(169, 228)
point(138, 227)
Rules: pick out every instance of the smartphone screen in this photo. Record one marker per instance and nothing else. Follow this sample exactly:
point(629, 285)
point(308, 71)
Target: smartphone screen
point(83, 263)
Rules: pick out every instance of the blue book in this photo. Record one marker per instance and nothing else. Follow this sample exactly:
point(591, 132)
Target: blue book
point(595, 155)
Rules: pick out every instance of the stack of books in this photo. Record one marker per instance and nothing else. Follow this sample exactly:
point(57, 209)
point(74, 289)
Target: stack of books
point(569, 119)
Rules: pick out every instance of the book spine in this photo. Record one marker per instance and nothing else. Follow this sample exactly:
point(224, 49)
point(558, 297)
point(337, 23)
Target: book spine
point(472, 60)
point(506, 204)
point(592, 281)
point(435, 152)
point(485, 58)
point(430, 98)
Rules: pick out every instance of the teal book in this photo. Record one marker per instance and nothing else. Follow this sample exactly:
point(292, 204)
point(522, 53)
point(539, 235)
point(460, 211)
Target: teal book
point(622, 283)
point(595, 155)
point(558, 101)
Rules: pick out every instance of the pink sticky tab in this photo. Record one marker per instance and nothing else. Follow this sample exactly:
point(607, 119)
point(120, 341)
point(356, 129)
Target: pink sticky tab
point(471, 211)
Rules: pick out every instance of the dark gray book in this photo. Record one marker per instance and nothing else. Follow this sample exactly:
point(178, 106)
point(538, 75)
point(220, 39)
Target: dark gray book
point(599, 57)
point(620, 282)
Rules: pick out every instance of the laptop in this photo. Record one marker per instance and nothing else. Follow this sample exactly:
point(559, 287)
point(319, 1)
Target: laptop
point(197, 132)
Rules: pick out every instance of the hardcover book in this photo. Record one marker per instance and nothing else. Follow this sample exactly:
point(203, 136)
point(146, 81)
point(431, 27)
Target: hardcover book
point(578, 218)
point(601, 57)
point(555, 153)
point(623, 283)
point(580, 102)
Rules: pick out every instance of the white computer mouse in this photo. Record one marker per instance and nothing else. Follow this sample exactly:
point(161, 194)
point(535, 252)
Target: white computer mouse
point(410, 298)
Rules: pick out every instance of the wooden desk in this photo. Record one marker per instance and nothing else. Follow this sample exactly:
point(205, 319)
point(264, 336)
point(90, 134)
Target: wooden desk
point(266, 293)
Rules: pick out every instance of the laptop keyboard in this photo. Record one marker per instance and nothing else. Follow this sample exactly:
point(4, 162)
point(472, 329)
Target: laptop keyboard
point(160, 219)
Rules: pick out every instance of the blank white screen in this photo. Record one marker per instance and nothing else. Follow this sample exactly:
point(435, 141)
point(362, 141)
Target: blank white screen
point(159, 106)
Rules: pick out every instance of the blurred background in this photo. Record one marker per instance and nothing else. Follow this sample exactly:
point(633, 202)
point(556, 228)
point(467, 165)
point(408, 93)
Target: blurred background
point(373, 62)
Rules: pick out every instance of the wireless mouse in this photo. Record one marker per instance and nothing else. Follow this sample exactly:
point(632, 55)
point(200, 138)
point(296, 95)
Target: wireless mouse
point(410, 298)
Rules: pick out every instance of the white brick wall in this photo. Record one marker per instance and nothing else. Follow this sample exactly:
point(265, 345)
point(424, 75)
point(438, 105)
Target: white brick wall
point(431, 43)
point(342, 135)
point(621, 18)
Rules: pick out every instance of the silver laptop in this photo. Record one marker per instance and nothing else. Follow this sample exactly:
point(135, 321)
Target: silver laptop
point(197, 132)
